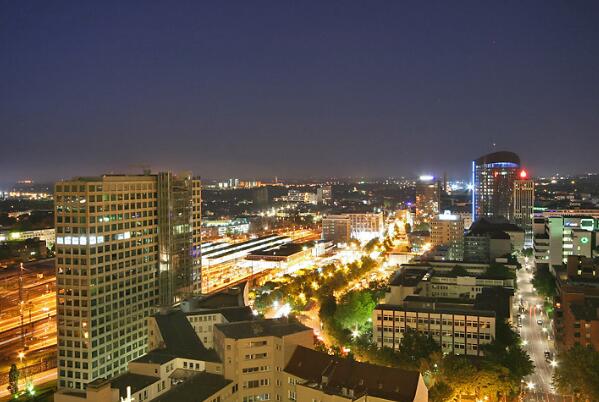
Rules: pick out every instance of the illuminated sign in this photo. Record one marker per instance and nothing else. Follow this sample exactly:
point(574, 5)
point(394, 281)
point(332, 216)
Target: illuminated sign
point(584, 240)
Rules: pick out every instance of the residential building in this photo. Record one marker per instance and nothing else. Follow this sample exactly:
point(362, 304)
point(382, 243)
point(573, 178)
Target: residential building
point(317, 376)
point(428, 195)
point(254, 361)
point(448, 230)
point(177, 368)
point(576, 315)
point(255, 354)
point(123, 247)
point(493, 177)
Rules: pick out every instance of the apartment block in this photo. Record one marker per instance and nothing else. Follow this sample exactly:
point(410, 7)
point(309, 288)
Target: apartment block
point(576, 319)
point(448, 230)
point(255, 353)
point(316, 376)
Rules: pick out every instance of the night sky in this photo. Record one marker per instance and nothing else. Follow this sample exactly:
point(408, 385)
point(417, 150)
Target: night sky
point(296, 88)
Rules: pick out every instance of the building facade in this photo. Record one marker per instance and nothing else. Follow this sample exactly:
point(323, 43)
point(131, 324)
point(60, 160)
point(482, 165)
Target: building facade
point(115, 267)
point(493, 177)
point(524, 199)
point(448, 230)
point(576, 318)
point(336, 228)
point(565, 233)
point(428, 193)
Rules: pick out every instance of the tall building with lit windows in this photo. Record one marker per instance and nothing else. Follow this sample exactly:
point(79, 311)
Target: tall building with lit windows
point(493, 177)
point(125, 245)
point(428, 193)
point(524, 198)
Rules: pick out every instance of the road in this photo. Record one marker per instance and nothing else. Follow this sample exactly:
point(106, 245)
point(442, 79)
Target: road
point(535, 338)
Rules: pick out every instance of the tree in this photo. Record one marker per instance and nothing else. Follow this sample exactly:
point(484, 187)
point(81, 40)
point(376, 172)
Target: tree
point(354, 309)
point(440, 392)
point(415, 346)
point(528, 252)
point(505, 351)
point(372, 244)
point(458, 270)
point(544, 281)
point(577, 373)
point(13, 380)
point(500, 271)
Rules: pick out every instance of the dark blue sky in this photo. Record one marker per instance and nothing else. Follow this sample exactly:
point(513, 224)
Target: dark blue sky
point(296, 88)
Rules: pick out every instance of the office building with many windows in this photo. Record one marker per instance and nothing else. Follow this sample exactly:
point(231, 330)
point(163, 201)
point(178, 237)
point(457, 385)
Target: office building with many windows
point(493, 178)
point(123, 248)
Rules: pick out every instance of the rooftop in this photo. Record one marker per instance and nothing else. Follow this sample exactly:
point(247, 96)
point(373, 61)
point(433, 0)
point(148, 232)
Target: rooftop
point(408, 276)
point(498, 157)
point(232, 314)
point(446, 305)
point(197, 388)
point(180, 339)
point(251, 329)
point(158, 356)
point(336, 375)
point(488, 226)
point(285, 250)
point(135, 381)
point(232, 297)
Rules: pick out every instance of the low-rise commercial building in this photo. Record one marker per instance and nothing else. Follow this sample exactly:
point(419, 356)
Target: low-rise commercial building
point(458, 309)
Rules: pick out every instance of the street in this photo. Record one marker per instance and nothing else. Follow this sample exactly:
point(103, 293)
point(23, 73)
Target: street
point(535, 338)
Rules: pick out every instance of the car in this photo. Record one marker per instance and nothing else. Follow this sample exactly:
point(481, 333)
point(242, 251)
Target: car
point(540, 322)
point(519, 324)
point(548, 355)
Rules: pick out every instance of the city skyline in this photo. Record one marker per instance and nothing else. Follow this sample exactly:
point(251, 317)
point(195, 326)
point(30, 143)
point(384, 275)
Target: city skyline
point(296, 90)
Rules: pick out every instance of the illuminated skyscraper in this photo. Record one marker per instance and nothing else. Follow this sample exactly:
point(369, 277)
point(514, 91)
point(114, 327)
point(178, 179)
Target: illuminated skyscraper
point(124, 246)
point(493, 178)
point(428, 192)
point(524, 198)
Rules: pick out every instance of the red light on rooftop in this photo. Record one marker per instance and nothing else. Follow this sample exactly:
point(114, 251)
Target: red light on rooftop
point(523, 174)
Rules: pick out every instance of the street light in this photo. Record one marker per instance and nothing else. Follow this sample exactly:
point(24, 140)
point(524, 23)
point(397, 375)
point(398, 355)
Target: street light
point(530, 385)
point(553, 363)
point(21, 356)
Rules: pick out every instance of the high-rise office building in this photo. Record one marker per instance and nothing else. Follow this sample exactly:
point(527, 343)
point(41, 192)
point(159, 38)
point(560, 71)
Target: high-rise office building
point(524, 198)
point(448, 230)
point(124, 246)
point(428, 193)
point(493, 177)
